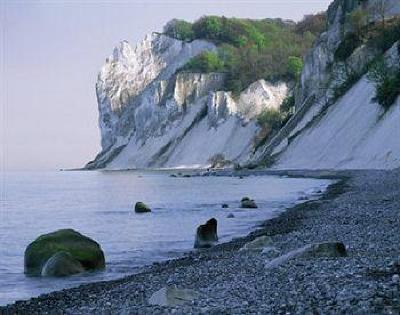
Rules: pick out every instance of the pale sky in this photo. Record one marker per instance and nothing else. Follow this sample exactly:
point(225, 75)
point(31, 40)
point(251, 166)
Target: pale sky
point(51, 52)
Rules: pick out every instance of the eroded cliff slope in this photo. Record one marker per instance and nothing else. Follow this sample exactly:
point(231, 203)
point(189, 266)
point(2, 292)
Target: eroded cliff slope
point(153, 116)
point(338, 122)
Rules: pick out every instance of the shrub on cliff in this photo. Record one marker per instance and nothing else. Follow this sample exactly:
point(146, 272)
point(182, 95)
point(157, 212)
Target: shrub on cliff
point(205, 62)
point(179, 29)
point(295, 65)
point(270, 118)
point(347, 46)
point(387, 83)
point(377, 36)
point(388, 90)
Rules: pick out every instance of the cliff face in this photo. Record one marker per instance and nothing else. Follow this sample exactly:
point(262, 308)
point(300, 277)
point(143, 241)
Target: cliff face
point(321, 72)
point(153, 116)
point(351, 131)
point(138, 77)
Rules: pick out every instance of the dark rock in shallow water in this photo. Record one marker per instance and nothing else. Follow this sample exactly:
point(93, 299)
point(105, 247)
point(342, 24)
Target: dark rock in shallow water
point(81, 248)
point(230, 216)
point(141, 207)
point(248, 203)
point(61, 264)
point(225, 205)
point(206, 234)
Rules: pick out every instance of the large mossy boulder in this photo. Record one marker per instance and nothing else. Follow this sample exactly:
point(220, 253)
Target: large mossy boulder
point(61, 264)
point(141, 207)
point(80, 248)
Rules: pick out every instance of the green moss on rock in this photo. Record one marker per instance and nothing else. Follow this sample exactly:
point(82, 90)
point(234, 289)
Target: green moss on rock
point(141, 207)
point(80, 247)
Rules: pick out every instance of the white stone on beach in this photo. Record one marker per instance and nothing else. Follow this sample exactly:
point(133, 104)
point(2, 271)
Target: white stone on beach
point(172, 296)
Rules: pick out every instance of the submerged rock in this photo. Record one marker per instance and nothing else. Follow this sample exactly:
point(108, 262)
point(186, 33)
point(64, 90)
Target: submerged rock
point(328, 250)
point(141, 207)
point(80, 247)
point(61, 264)
point(225, 205)
point(258, 244)
point(230, 216)
point(248, 203)
point(172, 296)
point(206, 234)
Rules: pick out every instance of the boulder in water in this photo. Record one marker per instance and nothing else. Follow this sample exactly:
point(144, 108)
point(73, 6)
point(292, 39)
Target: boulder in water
point(248, 203)
point(141, 207)
point(230, 216)
point(206, 234)
point(80, 247)
point(225, 206)
point(61, 264)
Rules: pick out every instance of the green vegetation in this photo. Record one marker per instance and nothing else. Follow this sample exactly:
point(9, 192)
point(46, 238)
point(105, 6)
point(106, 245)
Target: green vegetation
point(249, 50)
point(179, 29)
point(387, 82)
point(288, 104)
point(380, 36)
point(295, 65)
point(348, 45)
point(385, 37)
point(205, 62)
point(270, 118)
point(351, 78)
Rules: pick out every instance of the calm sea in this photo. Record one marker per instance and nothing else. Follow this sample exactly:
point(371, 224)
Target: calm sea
point(100, 205)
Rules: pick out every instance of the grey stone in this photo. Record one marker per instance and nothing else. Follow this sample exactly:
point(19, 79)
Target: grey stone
point(172, 296)
point(61, 264)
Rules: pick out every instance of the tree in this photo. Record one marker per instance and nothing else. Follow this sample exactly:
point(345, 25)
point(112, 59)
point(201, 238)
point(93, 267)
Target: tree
point(179, 29)
point(208, 27)
point(358, 19)
point(207, 61)
point(315, 24)
point(295, 65)
point(380, 8)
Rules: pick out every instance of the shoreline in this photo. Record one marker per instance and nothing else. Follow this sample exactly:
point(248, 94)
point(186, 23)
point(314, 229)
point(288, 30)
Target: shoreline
point(96, 297)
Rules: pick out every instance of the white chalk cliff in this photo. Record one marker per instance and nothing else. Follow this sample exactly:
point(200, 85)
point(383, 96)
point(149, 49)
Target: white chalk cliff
point(152, 116)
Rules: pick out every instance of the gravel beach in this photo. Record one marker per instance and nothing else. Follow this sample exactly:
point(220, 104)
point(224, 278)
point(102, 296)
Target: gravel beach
point(361, 210)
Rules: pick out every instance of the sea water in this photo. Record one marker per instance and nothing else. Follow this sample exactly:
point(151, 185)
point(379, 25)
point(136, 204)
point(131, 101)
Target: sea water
point(101, 206)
